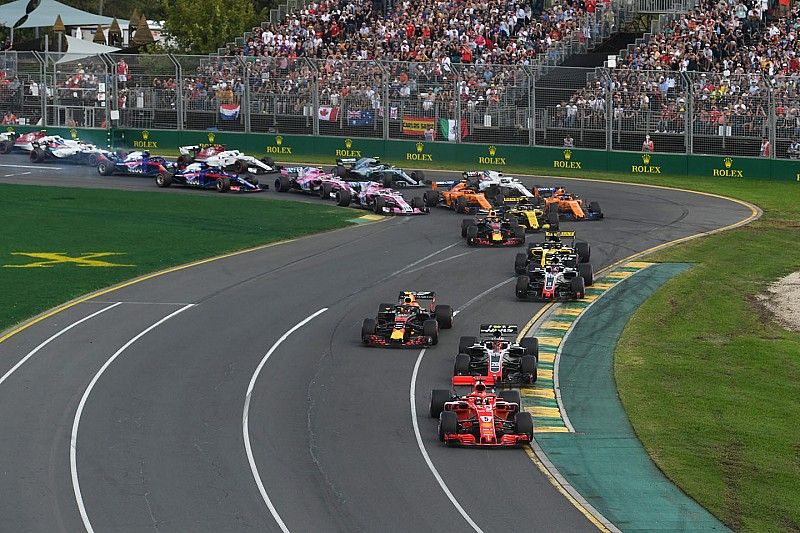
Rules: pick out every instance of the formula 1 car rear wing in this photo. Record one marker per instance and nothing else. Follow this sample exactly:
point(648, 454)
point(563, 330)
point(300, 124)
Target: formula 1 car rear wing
point(419, 295)
point(505, 330)
point(470, 381)
point(558, 235)
point(546, 192)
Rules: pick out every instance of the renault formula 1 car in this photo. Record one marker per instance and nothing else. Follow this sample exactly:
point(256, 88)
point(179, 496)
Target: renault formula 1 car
point(217, 155)
point(570, 206)
point(55, 147)
point(134, 164)
point(10, 141)
point(481, 418)
point(492, 230)
point(201, 176)
point(413, 321)
point(307, 179)
point(532, 218)
point(375, 197)
point(371, 169)
point(496, 355)
point(554, 272)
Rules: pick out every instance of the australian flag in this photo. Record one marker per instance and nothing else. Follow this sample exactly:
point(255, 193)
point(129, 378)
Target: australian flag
point(360, 118)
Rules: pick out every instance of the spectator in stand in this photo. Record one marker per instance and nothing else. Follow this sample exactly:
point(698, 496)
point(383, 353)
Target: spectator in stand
point(122, 73)
point(648, 145)
point(10, 118)
point(568, 142)
point(794, 149)
point(765, 148)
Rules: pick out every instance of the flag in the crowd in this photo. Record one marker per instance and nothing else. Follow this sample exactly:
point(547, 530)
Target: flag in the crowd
point(416, 125)
point(229, 111)
point(328, 113)
point(360, 118)
point(449, 127)
point(392, 112)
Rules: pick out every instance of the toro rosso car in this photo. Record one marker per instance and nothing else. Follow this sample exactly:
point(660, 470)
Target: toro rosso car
point(497, 356)
point(217, 155)
point(492, 230)
point(202, 176)
point(413, 321)
point(570, 206)
point(10, 141)
point(554, 271)
point(482, 417)
point(134, 164)
point(307, 179)
point(371, 169)
point(374, 196)
point(55, 147)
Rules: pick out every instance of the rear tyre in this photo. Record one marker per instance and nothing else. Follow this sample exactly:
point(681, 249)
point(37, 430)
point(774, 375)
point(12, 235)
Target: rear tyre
point(461, 365)
point(431, 198)
point(380, 203)
point(223, 184)
point(251, 179)
point(499, 200)
point(439, 397)
point(552, 220)
point(531, 345)
point(522, 287)
point(282, 184)
point(444, 316)
point(464, 343)
point(466, 223)
point(37, 155)
point(583, 250)
point(448, 424)
point(418, 203)
point(519, 233)
point(184, 160)
point(586, 271)
point(105, 168)
point(594, 207)
point(461, 205)
point(325, 191)
point(94, 160)
point(240, 166)
point(269, 162)
point(521, 264)
point(472, 235)
point(511, 396)
point(367, 329)
point(418, 175)
point(343, 197)
point(6, 146)
point(340, 172)
point(430, 328)
point(578, 287)
point(523, 424)
point(529, 367)
point(163, 180)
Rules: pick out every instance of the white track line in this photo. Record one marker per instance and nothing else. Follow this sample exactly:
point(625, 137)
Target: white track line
point(437, 262)
point(16, 174)
point(73, 445)
point(39, 167)
point(52, 338)
point(418, 261)
point(246, 418)
point(421, 445)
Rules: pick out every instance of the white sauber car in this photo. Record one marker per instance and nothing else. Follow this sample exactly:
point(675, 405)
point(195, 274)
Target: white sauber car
point(217, 156)
point(53, 147)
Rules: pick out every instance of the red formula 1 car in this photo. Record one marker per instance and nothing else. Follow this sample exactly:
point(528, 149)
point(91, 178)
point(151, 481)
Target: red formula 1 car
point(481, 417)
point(408, 323)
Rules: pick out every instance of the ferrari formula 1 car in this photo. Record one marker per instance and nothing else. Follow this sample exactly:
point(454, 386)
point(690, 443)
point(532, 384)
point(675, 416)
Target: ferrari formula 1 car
point(10, 141)
point(482, 417)
point(307, 179)
point(497, 356)
point(570, 206)
point(203, 176)
point(492, 230)
point(217, 155)
point(553, 270)
point(55, 147)
point(134, 163)
point(413, 321)
point(374, 196)
point(371, 169)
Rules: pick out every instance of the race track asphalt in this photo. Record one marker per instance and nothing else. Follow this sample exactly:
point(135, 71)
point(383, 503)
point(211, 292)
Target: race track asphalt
point(159, 444)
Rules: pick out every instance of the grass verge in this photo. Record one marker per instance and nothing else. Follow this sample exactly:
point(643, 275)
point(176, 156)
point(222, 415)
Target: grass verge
point(152, 229)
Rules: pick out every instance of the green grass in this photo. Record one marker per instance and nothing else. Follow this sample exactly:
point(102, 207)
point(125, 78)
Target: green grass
point(153, 229)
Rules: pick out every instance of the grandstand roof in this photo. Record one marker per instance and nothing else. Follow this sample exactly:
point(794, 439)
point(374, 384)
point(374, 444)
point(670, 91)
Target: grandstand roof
point(45, 15)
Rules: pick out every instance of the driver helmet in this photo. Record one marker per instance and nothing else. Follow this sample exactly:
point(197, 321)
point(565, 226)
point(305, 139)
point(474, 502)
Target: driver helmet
point(480, 387)
point(410, 300)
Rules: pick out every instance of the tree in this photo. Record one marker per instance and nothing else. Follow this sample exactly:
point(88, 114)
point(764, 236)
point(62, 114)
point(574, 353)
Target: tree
point(203, 26)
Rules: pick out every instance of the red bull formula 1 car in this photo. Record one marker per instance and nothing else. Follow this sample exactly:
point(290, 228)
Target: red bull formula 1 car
point(482, 417)
point(492, 230)
point(496, 355)
point(413, 321)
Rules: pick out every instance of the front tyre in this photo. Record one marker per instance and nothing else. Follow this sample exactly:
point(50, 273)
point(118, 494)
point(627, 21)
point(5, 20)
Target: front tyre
point(367, 329)
point(444, 316)
point(430, 329)
point(163, 180)
point(448, 424)
point(439, 397)
point(223, 184)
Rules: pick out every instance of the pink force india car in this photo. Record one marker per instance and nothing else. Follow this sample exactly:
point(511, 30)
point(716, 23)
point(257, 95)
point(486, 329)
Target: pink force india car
point(375, 197)
point(312, 180)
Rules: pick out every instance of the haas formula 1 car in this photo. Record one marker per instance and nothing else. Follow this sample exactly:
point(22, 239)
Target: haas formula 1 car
point(569, 206)
point(371, 169)
point(492, 230)
point(482, 417)
point(217, 155)
point(553, 270)
point(202, 176)
point(374, 196)
point(307, 179)
point(497, 356)
point(55, 147)
point(134, 163)
point(414, 321)
point(10, 141)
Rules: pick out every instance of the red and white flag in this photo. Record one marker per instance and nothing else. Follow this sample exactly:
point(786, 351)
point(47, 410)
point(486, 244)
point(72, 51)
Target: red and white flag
point(328, 113)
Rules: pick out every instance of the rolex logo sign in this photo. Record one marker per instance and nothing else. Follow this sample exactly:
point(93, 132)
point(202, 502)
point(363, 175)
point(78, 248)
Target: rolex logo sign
point(420, 154)
point(728, 171)
point(348, 151)
point(493, 159)
point(211, 136)
point(646, 167)
point(278, 148)
point(73, 133)
point(567, 162)
point(145, 143)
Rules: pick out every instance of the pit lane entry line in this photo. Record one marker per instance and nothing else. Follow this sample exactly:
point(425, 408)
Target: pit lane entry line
point(246, 419)
point(73, 445)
